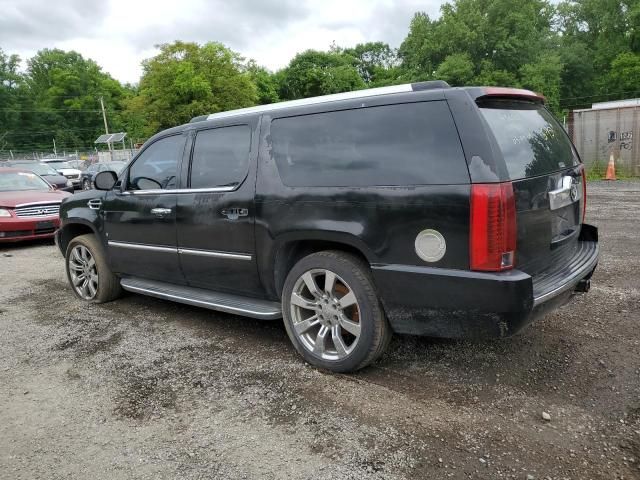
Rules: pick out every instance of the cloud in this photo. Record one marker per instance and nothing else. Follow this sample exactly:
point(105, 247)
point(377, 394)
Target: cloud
point(119, 34)
point(26, 24)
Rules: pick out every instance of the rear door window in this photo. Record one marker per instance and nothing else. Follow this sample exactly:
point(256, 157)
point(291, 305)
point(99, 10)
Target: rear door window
point(532, 142)
point(402, 144)
point(220, 157)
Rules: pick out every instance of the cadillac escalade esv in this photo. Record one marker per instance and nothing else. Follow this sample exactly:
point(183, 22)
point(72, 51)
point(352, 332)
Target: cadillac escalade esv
point(418, 209)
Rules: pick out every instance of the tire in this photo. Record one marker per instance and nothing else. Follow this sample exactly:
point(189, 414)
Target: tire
point(343, 331)
point(85, 259)
point(86, 184)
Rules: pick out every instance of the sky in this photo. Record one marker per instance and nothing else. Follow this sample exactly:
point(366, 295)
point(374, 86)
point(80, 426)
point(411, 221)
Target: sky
point(119, 34)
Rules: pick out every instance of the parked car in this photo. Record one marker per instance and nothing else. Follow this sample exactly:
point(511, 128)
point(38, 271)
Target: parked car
point(65, 169)
point(28, 206)
point(86, 177)
point(417, 209)
point(45, 171)
point(77, 164)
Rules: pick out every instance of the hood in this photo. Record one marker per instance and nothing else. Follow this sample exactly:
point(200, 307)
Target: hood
point(68, 171)
point(13, 199)
point(56, 179)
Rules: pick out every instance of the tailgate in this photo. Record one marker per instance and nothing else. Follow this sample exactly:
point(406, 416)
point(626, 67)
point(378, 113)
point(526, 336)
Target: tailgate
point(547, 181)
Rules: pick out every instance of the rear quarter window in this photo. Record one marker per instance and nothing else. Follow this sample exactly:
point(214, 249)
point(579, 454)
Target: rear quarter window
point(402, 144)
point(532, 142)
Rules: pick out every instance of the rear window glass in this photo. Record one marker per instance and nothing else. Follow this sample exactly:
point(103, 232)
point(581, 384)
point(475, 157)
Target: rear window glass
point(531, 140)
point(402, 144)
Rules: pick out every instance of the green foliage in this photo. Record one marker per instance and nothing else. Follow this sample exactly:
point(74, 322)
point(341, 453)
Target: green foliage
point(624, 75)
point(544, 75)
point(313, 73)
point(186, 80)
point(266, 83)
point(373, 60)
point(11, 91)
point(457, 69)
point(59, 97)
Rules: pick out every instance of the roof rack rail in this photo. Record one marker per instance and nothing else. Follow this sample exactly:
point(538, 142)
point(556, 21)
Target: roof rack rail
point(370, 92)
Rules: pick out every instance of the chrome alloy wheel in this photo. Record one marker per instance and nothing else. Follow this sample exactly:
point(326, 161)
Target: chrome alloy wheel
point(83, 272)
point(325, 314)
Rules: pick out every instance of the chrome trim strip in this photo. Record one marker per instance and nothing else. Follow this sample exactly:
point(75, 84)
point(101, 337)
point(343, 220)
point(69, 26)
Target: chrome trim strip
point(572, 282)
point(140, 246)
point(562, 196)
point(371, 92)
point(43, 203)
point(214, 253)
point(160, 191)
point(201, 303)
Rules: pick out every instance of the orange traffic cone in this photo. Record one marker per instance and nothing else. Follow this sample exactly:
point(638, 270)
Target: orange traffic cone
point(611, 169)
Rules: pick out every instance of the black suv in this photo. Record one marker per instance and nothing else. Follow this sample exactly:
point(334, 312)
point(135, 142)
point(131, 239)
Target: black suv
point(418, 209)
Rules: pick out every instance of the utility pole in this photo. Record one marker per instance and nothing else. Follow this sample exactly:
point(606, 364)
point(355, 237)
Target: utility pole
point(55, 152)
point(106, 127)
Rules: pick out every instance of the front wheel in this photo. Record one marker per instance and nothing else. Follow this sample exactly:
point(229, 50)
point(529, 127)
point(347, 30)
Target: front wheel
point(332, 314)
point(88, 273)
point(86, 184)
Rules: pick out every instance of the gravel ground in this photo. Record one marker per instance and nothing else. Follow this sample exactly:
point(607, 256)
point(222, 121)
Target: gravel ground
point(142, 388)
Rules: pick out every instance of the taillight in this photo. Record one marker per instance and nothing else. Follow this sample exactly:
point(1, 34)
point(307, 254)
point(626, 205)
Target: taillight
point(584, 193)
point(492, 243)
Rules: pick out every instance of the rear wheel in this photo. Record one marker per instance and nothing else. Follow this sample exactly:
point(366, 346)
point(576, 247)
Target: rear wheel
point(332, 314)
point(89, 275)
point(86, 184)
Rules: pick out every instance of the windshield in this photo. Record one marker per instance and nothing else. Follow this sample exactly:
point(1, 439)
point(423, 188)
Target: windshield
point(60, 164)
point(39, 168)
point(20, 181)
point(530, 139)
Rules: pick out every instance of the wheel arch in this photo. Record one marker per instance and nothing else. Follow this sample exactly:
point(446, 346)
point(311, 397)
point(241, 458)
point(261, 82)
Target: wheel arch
point(74, 229)
point(288, 250)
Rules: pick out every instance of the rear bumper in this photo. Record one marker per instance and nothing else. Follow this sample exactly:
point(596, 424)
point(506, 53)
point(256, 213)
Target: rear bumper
point(17, 229)
point(465, 304)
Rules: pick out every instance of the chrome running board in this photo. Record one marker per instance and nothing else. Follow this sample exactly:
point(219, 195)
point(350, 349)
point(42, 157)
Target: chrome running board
point(198, 297)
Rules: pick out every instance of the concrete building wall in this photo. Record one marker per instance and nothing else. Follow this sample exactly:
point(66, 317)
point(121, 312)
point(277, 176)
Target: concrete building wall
point(601, 132)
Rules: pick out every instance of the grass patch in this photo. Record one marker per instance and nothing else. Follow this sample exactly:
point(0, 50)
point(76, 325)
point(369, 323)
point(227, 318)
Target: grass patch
point(597, 171)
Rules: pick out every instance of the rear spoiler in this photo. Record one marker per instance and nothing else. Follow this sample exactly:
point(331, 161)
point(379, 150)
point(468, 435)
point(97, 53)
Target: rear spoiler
point(506, 92)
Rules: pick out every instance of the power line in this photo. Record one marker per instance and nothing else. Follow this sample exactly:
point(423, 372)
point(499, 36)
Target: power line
point(48, 110)
point(51, 132)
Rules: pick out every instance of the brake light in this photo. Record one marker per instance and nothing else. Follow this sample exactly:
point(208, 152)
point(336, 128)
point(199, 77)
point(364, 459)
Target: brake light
point(492, 242)
point(584, 193)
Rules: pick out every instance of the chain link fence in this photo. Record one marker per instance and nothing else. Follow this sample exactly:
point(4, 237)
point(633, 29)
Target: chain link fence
point(81, 157)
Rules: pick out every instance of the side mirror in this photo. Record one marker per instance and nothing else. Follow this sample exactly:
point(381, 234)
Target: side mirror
point(105, 180)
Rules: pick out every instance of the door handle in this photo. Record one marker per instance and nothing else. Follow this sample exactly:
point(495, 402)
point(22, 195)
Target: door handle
point(234, 213)
point(161, 212)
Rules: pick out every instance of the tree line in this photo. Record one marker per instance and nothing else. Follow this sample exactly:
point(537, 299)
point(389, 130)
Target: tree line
point(575, 53)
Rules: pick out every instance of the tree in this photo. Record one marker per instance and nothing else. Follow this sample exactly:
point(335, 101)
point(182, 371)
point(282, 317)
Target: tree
point(478, 39)
point(312, 73)
point(266, 83)
point(457, 69)
point(373, 61)
point(186, 80)
point(544, 75)
point(624, 75)
point(60, 99)
point(416, 51)
point(10, 94)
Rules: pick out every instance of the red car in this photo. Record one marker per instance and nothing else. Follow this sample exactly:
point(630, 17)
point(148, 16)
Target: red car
point(29, 206)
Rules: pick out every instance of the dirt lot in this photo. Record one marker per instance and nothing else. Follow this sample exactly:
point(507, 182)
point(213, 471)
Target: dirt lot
point(142, 388)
